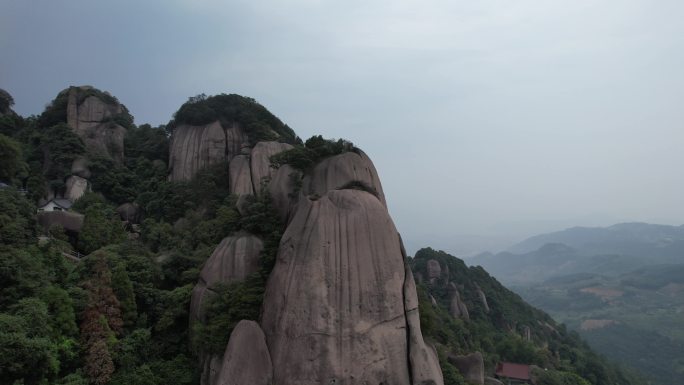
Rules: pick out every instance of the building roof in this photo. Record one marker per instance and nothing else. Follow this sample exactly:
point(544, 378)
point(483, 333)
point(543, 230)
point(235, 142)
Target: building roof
point(516, 371)
point(61, 202)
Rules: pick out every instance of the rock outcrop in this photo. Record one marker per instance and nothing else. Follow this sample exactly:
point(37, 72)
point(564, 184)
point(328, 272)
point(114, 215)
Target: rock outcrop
point(283, 190)
point(341, 171)
point(196, 147)
point(351, 325)
point(68, 220)
point(434, 271)
point(233, 260)
point(471, 367)
point(492, 381)
point(79, 167)
point(457, 307)
point(75, 187)
point(483, 298)
point(261, 161)
point(129, 212)
point(246, 359)
point(94, 120)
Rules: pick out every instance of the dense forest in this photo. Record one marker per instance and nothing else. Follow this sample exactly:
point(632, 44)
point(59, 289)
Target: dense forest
point(109, 303)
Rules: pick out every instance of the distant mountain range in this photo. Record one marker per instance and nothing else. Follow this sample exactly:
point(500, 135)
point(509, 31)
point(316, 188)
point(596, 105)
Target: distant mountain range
point(621, 287)
point(609, 251)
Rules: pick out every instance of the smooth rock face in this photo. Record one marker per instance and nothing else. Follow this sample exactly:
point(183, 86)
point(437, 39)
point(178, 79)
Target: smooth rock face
point(75, 187)
point(341, 170)
point(483, 299)
point(334, 307)
point(282, 190)
point(196, 147)
point(233, 260)
point(240, 177)
point(470, 366)
point(246, 360)
point(425, 369)
point(434, 271)
point(457, 307)
point(261, 163)
point(91, 121)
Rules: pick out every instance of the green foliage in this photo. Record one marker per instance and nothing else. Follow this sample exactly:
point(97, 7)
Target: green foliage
point(11, 159)
point(55, 112)
point(314, 150)
point(555, 377)
point(59, 146)
point(116, 182)
point(256, 120)
point(101, 227)
point(149, 142)
point(17, 222)
point(498, 332)
point(6, 101)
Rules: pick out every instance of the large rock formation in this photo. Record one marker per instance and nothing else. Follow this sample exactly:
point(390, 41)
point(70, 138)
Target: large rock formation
point(235, 258)
point(350, 169)
point(434, 271)
point(457, 307)
point(261, 161)
point(196, 147)
point(352, 326)
point(94, 120)
point(246, 360)
point(471, 367)
point(75, 187)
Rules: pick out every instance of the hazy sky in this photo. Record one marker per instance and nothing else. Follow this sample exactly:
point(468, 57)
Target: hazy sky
point(488, 120)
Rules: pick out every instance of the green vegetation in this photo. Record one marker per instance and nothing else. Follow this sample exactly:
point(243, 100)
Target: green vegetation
point(499, 333)
point(256, 120)
point(315, 149)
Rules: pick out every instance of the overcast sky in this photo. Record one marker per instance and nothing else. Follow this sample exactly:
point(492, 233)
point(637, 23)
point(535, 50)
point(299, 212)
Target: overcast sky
point(488, 120)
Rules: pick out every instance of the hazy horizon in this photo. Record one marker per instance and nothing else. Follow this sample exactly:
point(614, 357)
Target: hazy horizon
point(488, 122)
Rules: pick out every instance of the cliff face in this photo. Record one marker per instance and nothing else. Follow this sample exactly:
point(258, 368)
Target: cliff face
point(340, 304)
point(196, 147)
point(95, 121)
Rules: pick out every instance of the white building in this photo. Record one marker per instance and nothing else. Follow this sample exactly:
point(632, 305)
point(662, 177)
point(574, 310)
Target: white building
point(57, 204)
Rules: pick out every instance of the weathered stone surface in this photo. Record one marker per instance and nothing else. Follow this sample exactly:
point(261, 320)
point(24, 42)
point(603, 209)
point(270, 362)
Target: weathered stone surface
point(492, 381)
point(425, 369)
point(129, 212)
point(483, 299)
point(334, 308)
point(80, 168)
point(283, 189)
point(196, 147)
point(246, 359)
point(343, 170)
point(75, 187)
point(470, 366)
point(211, 369)
point(457, 307)
point(434, 271)
point(92, 121)
point(240, 177)
point(261, 163)
point(233, 260)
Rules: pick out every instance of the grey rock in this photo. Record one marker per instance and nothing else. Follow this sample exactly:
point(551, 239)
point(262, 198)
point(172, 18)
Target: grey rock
point(80, 168)
point(261, 163)
point(129, 212)
point(233, 260)
point(457, 307)
point(75, 187)
point(342, 170)
point(91, 121)
point(246, 360)
point(239, 176)
point(425, 369)
point(434, 271)
point(196, 147)
point(483, 299)
point(333, 308)
point(492, 381)
point(283, 190)
point(68, 220)
point(471, 367)
point(211, 369)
